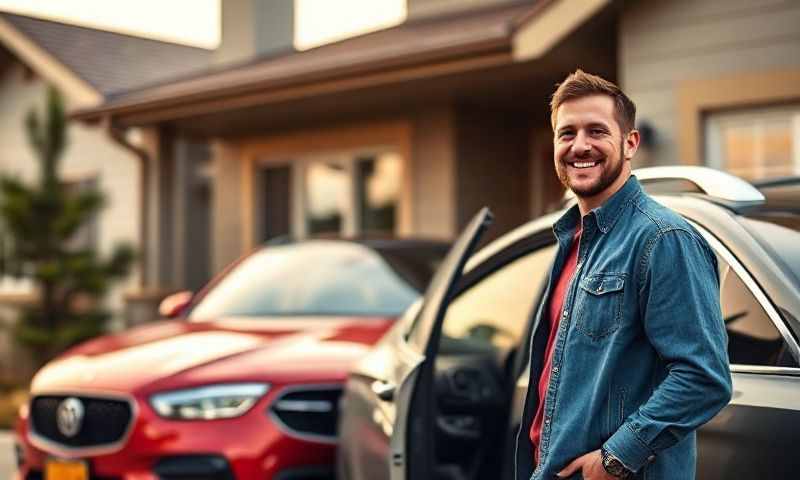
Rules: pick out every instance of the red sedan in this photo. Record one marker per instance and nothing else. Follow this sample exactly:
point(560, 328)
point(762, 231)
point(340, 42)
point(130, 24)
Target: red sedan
point(245, 385)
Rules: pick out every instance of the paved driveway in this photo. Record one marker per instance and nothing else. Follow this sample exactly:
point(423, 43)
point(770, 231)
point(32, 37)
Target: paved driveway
point(7, 463)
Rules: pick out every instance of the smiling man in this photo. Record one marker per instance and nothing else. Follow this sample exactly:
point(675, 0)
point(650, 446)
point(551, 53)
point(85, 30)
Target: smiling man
point(629, 353)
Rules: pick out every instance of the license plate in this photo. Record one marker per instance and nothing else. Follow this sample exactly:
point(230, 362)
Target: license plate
point(56, 469)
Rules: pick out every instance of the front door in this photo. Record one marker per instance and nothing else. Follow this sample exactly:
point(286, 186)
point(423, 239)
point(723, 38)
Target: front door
point(411, 444)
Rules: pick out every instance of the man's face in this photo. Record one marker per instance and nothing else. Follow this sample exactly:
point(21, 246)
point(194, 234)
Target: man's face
point(589, 148)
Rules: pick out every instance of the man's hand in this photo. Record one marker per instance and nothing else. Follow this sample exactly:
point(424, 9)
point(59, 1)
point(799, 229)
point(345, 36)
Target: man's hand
point(590, 465)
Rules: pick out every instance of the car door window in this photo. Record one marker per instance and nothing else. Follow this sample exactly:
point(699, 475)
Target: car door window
point(753, 338)
point(492, 314)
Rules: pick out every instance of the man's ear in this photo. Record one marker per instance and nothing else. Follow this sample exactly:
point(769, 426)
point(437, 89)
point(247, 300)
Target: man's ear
point(631, 144)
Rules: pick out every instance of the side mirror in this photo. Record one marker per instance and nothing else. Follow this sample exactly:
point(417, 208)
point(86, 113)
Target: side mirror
point(174, 305)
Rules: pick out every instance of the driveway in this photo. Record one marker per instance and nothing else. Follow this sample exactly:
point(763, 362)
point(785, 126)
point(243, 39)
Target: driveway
point(7, 463)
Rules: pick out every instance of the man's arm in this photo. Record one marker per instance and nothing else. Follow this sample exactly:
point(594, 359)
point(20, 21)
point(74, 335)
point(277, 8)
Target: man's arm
point(679, 301)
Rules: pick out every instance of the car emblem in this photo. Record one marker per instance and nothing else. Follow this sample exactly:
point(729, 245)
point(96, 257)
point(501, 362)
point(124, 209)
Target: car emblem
point(69, 417)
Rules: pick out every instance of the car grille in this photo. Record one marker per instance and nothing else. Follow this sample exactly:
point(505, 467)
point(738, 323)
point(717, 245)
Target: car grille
point(105, 420)
point(309, 411)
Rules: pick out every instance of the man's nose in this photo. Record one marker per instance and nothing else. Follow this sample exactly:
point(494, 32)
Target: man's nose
point(581, 145)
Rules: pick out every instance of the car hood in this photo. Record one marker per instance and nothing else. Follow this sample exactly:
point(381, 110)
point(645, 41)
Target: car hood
point(179, 353)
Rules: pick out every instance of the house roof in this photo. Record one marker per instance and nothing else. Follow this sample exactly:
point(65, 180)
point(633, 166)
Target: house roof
point(109, 62)
point(409, 45)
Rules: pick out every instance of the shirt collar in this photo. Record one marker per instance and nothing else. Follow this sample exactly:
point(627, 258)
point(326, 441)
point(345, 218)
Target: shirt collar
point(607, 214)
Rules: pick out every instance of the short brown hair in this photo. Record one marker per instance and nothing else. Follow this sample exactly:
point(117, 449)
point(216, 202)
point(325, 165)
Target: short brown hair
point(581, 84)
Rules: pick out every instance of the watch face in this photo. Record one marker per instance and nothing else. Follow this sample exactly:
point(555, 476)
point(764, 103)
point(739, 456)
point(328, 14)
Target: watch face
point(614, 467)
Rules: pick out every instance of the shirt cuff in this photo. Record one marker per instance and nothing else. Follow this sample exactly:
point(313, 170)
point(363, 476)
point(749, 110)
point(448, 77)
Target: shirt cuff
point(629, 449)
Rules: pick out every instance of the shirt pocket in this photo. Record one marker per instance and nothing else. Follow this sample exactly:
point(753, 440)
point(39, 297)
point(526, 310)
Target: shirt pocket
point(600, 304)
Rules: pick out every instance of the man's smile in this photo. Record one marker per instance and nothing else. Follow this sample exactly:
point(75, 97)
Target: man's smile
point(584, 164)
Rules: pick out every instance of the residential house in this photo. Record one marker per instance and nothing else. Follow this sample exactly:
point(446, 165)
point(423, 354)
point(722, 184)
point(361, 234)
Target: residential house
point(88, 66)
point(409, 130)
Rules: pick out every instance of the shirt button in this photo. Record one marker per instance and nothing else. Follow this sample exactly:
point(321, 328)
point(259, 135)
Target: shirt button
point(651, 458)
point(566, 312)
point(547, 422)
point(555, 369)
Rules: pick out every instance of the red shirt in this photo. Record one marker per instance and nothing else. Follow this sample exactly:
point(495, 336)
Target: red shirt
point(556, 305)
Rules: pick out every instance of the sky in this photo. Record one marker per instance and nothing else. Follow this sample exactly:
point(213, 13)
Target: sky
point(316, 21)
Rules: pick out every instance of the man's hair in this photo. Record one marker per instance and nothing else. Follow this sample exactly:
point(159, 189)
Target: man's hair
point(581, 84)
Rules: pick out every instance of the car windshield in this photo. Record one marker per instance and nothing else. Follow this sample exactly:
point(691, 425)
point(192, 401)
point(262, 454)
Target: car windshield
point(779, 233)
point(322, 277)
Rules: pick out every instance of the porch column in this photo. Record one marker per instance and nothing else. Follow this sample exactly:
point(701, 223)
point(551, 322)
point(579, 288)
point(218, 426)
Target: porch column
point(227, 206)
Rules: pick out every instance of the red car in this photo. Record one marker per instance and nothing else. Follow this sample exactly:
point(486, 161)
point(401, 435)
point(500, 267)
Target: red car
point(244, 386)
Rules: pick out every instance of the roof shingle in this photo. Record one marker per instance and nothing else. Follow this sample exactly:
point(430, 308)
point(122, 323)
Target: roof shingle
point(110, 62)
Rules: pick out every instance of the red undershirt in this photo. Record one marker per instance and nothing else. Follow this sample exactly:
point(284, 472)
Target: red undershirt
point(556, 305)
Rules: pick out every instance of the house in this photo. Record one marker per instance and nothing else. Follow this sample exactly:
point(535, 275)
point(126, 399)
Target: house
point(88, 66)
point(409, 130)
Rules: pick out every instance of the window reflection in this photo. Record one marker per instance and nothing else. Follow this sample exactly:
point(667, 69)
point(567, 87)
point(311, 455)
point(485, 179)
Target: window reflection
point(326, 186)
point(377, 191)
point(755, 143)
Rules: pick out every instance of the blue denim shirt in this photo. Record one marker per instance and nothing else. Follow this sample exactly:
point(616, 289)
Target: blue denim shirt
point(640, 359)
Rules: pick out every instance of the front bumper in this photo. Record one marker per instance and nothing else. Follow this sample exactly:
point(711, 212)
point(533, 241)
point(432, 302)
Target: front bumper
point(251, 446)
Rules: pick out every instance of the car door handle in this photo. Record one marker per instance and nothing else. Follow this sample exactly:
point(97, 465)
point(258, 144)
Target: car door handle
point(384, 390)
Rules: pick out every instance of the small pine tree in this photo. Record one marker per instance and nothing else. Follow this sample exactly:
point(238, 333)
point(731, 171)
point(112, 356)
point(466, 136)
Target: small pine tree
point(38, 221)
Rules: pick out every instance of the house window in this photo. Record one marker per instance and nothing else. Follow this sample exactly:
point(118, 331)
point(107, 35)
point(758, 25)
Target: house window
point(327, 187)
point(337, 193)
point(350, 193)
point(377, 186)
point(755, 143)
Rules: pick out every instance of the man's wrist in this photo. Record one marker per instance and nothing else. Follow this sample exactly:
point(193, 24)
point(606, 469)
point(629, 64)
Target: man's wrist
point(614, 466)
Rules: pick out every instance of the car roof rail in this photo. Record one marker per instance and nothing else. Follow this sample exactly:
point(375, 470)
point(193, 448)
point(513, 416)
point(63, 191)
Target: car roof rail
point(714, 183)
point(719, 185)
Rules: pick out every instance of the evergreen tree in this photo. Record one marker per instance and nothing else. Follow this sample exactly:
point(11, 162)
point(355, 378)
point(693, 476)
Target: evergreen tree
point(38, 222)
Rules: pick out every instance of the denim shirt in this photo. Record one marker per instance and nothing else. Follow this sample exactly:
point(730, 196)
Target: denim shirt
point(640, 360)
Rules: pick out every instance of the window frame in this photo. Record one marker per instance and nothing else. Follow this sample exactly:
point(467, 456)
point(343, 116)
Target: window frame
point(496, 265)
point(715, 122)
point(772, 313)
point(347, 159)
point(496, 261)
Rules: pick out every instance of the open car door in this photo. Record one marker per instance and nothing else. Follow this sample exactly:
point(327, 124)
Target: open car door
point(412, 441)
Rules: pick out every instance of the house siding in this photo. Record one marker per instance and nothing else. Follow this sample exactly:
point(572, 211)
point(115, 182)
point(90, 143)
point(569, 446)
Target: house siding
point(433, 164)
point(664, 44)
point(227, 205)
point(493, 167)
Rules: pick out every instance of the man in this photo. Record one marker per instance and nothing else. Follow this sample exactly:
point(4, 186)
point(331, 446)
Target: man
point(629, 353)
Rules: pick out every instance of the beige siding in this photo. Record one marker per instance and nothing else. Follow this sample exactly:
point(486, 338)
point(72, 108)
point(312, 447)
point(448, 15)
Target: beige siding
point(90, 153)
point(433, 174)
point(664, 44)
point(226, 205)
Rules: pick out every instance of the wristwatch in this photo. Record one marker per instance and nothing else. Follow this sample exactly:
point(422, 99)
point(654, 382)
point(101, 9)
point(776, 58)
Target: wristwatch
point(614, 466)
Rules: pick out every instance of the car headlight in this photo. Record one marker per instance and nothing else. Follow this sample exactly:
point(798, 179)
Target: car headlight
point(209, 402)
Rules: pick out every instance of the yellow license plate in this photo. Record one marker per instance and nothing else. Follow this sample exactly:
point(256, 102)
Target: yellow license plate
point(56, 469)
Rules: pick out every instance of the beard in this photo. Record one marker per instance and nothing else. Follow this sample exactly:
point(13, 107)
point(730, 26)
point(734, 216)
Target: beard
point(608, 176)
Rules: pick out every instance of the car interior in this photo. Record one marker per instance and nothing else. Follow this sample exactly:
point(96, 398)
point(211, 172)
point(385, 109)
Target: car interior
point(480, 359)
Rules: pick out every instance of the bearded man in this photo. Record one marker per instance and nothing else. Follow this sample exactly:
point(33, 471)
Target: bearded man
point(629, 353)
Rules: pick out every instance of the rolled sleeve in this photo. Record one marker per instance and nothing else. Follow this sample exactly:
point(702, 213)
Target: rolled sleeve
point(629, 449)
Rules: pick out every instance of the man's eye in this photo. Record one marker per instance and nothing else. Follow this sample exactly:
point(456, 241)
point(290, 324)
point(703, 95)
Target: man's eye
point(597, 131)
point(566, 134)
